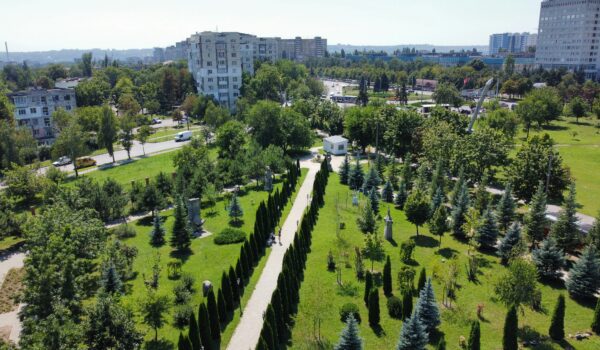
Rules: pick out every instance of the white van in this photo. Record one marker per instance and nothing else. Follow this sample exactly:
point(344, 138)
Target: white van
point(183, 136)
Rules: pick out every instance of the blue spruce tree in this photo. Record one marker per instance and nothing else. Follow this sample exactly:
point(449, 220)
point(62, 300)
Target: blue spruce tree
point(350, 338)
point(427, 310)
point(510, 240)
point(413, 335)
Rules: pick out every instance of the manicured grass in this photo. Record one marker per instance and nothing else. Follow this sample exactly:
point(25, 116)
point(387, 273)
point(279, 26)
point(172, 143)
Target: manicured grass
point(206, 262)
point(11, 287)
point(9, 242)
point(581, 153)
point(320, 295)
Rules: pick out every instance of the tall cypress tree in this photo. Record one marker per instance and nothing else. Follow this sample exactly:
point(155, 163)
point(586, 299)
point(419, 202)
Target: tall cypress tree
point(226, 287)
point(350, 338)
point(387, 277)
point(271, 319)
point(535, 220)
point(213, 316)
point(267, 335)
point(565, 229)
point(584, 276)
point(374, 312)
point(194, 333)
point(413, 335)
point(204, 327)
point(280, 320)
point(368, 286)
point(345, 171)
point(474, 342)
point(184, 343)
point(223, 315)
point(233, 282)
point(459, 210)
point(557, 324)
point(510, 240)
point(511, 330)
point(422, 279)
point(407, 304)
point(505, 210)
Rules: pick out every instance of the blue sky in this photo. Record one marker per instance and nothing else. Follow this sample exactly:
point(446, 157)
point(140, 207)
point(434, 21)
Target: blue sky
point(30, 25)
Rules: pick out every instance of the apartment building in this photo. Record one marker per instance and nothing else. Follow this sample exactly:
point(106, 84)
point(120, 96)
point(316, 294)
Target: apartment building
point(511, 42)
point(217, 60)
point(569, 36)
point(34, 108)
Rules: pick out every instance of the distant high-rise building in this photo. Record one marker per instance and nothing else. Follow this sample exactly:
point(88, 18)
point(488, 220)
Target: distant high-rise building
point(511, 42)
point(217, 60)
point(569, 36)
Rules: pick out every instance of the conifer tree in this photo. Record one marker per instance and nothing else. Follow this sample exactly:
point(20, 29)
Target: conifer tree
point(184, 343)
point(374, 312)
point(487, 233)
point(387, 277)
point(267, 335)
point(221, 306)
point(368, 287)
point(549, 259)
point(437, 178)
point(565, 229)
point(194, 333)
point(213, 316)
point(505, 210)
point(596, 320)
point(262, 344)
point(157, 235)
point(535, 219)
point(372, 181)
point(441, 345)
point(511, 330)
point(510, 240)
point(401, 196)
point(557, 324)
point(280, 320)
point(584, 276)
point(111, 281)
point(438, 223)
point(387, 193)
point(204, 327)
point(233, 282)
point(458, 188)
point(235, 209)
point(459, 210)
point(407, 304)
point(426, 309)
point(374, 200)
point(356, 178)
point(226, 287)
point(350, 338)
point(413, 335)
point(482, 196)
point(181, 237)
point(422, 279)
point(345, 171)
point(407, 172)
point(438, 199)
point(366, 221)
point(474, 342)
point(271, 320)
point(594, 233)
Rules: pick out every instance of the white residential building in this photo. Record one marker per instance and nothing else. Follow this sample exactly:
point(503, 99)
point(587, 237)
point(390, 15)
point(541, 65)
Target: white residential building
point(34, 108)
point(569, 36)
point(511, 42)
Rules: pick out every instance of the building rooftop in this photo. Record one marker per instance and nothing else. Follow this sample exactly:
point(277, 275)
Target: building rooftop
point(336, 139)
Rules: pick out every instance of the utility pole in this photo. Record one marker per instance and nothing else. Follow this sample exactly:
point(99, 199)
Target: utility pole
point(6, 47)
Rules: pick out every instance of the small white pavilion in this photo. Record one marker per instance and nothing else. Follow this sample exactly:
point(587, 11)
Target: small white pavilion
point(336, 145)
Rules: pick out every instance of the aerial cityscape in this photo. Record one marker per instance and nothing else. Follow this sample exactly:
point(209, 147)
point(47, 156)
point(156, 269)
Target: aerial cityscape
point(300, 175)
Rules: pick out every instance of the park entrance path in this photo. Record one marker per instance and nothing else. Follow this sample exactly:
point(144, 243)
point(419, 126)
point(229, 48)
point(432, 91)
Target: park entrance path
point(247, 333)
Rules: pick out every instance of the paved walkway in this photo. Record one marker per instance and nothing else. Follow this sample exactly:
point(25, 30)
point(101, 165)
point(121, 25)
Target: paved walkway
point(247, 333)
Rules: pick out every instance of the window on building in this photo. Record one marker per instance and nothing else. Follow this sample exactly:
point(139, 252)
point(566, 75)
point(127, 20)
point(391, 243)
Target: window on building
point(47, 121)
point(33, 110)
point(209, 63)
point(22, 111)
point(68, 107)
point(45, 110)
point(67, 97)
point(56, 98)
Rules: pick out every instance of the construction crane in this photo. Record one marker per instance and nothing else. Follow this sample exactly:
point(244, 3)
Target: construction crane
point(484, 92)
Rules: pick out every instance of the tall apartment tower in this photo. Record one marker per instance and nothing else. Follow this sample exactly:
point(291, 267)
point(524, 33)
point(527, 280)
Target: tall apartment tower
point(569, 36)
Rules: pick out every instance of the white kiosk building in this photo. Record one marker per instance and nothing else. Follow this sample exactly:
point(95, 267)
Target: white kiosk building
point(336, 145)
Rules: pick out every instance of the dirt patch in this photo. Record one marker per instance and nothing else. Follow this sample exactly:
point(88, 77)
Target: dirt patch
point(11, 288)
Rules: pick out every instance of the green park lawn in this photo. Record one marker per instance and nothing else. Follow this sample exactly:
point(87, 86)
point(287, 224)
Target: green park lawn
point(321, 298)
point(207, 260)
point(579, 145)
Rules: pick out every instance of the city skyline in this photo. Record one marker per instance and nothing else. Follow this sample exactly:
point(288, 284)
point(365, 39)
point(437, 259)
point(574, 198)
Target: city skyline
point(146, 24)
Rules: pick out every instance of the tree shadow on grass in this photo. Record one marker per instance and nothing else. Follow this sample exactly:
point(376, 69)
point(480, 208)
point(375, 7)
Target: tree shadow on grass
point(425, 241)
point(161, 344)
point(435, 337)
point(447, 253)
point(554, 127)
point(236, 223)
point(183, 255)
point(378, 330)
point(393, 242)
point(556, 284)
point(147, 221)
point(587, 303)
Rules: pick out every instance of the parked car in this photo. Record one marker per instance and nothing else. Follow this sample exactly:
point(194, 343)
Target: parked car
point(156, 121)
point(64, 160)
point(183, 136)
point(85, 162)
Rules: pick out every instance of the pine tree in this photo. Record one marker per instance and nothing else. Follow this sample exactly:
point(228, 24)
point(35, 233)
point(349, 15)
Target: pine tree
point(535, 219)
point(374, 200)
point(181, 237)
point(426, 309)
point(372, 181)
point(226, 287)
point(584, 277)
point(511, 330)
point(459, 210)
point(374, 312)
point(458, 188)
point(401, 196)
point(213, 316)
point(549, 259)
point(594, 233)
point(345, 171)
point(368, 287)
point(366, 221)
point(221, 306)
point(596, 320)
point(437, 179)
point(413, 335)
point(505, 210)
point(387, 277)
point(204, 327)
point(387, 193)
point(194, 333)
point(510, 240)
point(111, 281)
point(438, 199)
point(184, 343)
point(233, 282)
point(407, 304)
point(487, 233)
point(557, 324)
point(267, 335)
point(565, 229)
point(482, 196)
point(262, 344)
point(407, 172)
point(280, 319)
point(474, 342)
point(157, 235)
point(438, 223)
point(356, 177)
point(235, 209)
point(350, 338)
point(271, 320)
point(422, 279)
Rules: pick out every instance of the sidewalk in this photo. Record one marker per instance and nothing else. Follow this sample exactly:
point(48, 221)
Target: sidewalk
point(247, 333)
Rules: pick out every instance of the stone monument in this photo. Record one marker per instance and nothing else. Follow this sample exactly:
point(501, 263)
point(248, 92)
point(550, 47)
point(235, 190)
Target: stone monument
point(355, 199)
point(268, 180)
point(194, 214)
point(387, 233)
